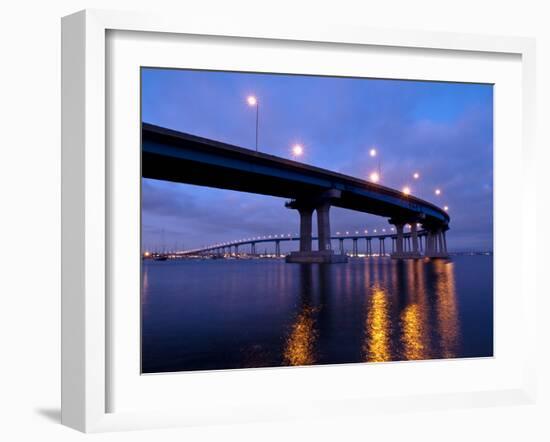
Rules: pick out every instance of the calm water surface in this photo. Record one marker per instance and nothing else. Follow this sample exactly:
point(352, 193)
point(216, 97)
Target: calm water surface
point(220, 314)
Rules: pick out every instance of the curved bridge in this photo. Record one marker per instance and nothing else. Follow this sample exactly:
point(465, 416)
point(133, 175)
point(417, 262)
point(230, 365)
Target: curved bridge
point(249, 244)
point(179, 157)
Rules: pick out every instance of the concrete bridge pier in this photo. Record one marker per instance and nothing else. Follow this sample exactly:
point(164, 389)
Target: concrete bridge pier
point(305, 228)
point(414, 240)
point(323, 225)
point(355, 252)
point(381, 246)
point(253, 248)
point(305, 207)
point(341, 246)
point(277, 248)
point(405, 247)
point(436, 242)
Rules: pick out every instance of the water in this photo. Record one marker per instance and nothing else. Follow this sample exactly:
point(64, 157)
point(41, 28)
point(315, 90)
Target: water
point(226, 314)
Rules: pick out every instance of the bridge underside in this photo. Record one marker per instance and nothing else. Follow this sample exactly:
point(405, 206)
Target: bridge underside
point(208, 175)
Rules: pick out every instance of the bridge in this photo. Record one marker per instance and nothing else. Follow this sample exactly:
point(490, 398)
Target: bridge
point(184, 158)
point(249, 245)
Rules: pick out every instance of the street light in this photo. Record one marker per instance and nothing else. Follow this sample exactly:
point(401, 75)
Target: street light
point(416, 175)
point(297, 150)
point(406, 190)
point(438, 191)
point(375, 177)
point(253, 102)
point(374, 153)
point(446, 208)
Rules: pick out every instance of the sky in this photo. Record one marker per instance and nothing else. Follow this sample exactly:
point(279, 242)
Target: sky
point(443, 131)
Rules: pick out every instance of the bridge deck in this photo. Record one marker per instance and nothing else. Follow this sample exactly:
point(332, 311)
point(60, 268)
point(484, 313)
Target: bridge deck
point(180, 157)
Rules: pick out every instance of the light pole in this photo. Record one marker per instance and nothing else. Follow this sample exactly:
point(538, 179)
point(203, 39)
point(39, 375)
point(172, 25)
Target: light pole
point(253, 101)
point(374, 153)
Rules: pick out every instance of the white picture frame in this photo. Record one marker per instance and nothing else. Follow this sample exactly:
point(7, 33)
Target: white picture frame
point(86, 317)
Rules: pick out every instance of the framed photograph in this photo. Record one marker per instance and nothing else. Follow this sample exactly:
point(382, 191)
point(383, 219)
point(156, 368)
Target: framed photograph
point(267, 222)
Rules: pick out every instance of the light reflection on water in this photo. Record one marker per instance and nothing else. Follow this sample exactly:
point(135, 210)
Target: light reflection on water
point(377, 328)
point(200, 315)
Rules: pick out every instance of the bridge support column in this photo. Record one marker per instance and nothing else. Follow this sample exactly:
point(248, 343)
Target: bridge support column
point(355, 252)
point(381, 246)
point(305, 228)
point(436, 243)
point(341, 246)
point(323, 226)
point(399, 251)
point(277, 248)
point(253, 248)
point(236, 249)
point(406, 246)
point(324, 254)
point(414, 237)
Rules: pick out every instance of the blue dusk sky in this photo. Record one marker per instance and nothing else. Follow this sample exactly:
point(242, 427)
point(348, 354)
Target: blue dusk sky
point(443, 131)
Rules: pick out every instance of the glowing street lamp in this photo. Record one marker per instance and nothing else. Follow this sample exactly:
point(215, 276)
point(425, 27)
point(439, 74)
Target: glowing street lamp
point(406, 190)
point(446, 208)
point(253, 102)
point(373, 152)
point(297, 151)
point(416, 175)
point(438, 192)
point(375, 177)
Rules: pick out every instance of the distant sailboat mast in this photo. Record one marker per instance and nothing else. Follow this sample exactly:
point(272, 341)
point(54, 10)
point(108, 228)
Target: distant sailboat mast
point(162, 255)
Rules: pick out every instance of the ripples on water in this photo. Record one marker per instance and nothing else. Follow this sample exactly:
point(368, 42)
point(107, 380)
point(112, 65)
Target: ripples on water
point(220, 314)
